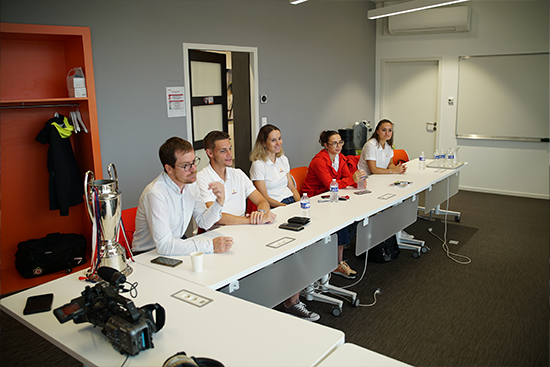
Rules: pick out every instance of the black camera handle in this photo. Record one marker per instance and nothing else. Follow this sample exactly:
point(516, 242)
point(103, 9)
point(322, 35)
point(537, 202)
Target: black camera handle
point(160, 315)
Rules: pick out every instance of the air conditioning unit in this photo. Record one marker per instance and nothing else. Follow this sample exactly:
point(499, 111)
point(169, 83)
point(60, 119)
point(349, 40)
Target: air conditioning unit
point(439, 20)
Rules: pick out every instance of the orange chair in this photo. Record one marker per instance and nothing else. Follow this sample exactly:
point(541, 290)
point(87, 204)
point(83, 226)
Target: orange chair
point(299, 175)
point(400, 155)
point(129, 220)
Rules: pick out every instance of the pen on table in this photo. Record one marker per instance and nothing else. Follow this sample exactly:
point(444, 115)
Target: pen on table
point(323, 201)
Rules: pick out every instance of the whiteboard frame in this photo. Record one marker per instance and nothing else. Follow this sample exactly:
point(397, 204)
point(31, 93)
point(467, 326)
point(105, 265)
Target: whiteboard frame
point(492, 137)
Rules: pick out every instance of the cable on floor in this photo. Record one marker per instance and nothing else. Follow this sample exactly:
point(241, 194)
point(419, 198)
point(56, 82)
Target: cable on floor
point(377, 291)
point(444, 244)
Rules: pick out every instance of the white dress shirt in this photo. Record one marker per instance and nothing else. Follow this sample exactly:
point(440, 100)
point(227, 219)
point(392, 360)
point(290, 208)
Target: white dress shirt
point(237, 188)
point(274, 175)
point(164, 214)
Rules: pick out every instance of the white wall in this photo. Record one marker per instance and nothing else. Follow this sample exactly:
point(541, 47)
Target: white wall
point(498, 27)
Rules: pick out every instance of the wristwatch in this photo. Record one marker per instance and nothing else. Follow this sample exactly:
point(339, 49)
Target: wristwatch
point(261, 210)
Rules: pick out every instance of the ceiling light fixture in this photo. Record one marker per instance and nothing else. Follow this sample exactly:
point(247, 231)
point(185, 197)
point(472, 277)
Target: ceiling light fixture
point(295, 2)
point(408, 7)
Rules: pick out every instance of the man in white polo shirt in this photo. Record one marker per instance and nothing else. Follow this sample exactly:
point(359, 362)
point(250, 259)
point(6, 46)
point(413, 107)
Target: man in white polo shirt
point(238, 186)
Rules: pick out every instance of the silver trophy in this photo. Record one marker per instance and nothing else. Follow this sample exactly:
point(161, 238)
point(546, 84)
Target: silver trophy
point(104, 202)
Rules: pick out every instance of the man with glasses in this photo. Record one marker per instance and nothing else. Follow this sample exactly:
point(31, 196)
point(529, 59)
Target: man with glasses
point(238, 186)
point(167, 204)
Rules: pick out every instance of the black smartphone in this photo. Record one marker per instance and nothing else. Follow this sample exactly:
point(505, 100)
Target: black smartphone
point(36, 304)
point(362, 192)
point(292, 226)
point(299, 220)
point(161, 260)
point(325, 196)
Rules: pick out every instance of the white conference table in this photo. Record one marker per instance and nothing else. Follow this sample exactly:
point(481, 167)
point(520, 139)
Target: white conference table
point(230, 330)
point(364, 206)
point(250, 253)
point(251, 261)
point(381, 218)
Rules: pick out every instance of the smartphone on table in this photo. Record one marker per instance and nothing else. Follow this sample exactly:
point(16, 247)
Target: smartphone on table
point(40, 303)
point(167, 261)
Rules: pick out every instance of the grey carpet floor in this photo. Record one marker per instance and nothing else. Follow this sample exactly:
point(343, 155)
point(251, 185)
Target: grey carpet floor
point(435, 312)
point(432, 310)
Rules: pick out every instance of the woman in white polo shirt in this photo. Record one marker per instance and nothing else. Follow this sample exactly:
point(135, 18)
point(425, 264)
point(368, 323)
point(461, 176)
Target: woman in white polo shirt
point(377, 153)
point(270, 170)
point(270, 173)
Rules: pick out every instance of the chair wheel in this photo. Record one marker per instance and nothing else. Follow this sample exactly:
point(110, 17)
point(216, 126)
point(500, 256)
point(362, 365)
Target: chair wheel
point(336, 311)
point(424, 249)
point(356, 302)
point(457, 218)
point(416, 254)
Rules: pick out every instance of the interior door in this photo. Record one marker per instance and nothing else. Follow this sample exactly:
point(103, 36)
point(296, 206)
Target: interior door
point(207, 71)
point(410, 100)
point(240, 66)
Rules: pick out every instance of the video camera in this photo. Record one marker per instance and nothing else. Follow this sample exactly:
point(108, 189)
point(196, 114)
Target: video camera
point(129, 330)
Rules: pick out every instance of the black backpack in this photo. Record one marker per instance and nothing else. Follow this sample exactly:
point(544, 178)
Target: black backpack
point(50, 254)
point(384, 251)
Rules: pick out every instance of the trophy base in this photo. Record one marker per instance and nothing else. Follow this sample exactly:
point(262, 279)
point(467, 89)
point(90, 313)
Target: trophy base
point(117, 263)
point(127, 271)
point(113, 256)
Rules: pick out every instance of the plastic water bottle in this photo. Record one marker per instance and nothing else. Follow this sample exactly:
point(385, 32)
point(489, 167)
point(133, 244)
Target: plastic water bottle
point(422, 161)
point(304, 205)
point(442, 158)
point(455, 161)
point(450, 157)
point(436, 158)
point(334, 191)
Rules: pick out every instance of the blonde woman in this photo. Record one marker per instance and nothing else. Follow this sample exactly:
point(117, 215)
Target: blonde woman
point(270, 173)
point(270, 170)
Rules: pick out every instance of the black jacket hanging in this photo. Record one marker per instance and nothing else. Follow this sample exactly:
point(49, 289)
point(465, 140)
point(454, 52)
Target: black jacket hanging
point(65, 184)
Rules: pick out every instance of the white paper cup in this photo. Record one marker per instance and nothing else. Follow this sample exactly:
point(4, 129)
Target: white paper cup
point(197, 259)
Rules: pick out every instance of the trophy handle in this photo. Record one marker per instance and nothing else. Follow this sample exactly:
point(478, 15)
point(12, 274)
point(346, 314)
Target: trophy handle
point(87, 192)
point(113, 174)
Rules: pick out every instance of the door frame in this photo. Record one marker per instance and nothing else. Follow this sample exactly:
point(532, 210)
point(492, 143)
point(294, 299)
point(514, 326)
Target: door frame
point(381, 89)
point(254, 84)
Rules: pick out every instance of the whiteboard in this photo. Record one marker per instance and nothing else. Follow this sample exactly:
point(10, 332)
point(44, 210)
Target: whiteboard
point(503, 97)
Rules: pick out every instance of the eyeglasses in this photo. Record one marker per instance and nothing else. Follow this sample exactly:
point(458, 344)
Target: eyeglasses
point(335, 143)
point(187, 166)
